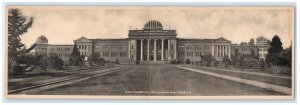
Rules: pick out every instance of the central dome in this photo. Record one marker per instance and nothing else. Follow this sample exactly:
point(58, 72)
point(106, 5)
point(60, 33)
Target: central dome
point(153, 25)
point(42, 40)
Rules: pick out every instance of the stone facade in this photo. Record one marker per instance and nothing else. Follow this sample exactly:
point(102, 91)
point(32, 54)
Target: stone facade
point(263, 45)
point(245, 49)
point(63, 51)
point(150, 44)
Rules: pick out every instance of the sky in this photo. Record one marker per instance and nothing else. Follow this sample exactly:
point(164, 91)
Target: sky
point(63, 25)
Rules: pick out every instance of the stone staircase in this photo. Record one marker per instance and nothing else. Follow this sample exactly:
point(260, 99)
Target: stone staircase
point(153, 62)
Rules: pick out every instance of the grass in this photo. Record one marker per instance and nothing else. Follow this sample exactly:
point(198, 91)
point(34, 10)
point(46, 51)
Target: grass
point(266, 79)
point(36, 77)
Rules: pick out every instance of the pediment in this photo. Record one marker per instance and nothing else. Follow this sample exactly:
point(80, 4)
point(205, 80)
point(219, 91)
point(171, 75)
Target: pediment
point(223, 40)
point(83, 39)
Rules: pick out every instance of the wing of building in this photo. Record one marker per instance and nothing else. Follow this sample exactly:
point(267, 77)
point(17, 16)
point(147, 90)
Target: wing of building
point(153, 44)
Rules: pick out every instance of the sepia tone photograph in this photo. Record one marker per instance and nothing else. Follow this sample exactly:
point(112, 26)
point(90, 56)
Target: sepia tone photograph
point(150, 52)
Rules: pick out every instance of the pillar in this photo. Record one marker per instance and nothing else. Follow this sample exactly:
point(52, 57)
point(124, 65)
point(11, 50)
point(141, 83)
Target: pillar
point(162, 49)
point(224, 50)
point(212, 50)
point(221, 50)
point(169, 50)
point(175, 49)
point(154, 49)
point(148, 50)
point(142, 49)
point(229, 52)
point(135, 45)
point(129, 47)
point(217, 50)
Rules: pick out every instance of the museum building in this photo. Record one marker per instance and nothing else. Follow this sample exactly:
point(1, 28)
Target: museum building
point(151, 45)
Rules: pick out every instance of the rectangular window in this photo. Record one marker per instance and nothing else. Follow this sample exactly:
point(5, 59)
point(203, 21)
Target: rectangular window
point(206, 47)
point(114, 54)
point(105, 54)
point(180, 54)
point(189, 54)
point(123, 54)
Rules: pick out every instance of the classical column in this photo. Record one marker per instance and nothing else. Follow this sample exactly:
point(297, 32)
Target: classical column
point(162, 49)
point(148, 50)
point(224, 50)
point(86, 50)
point(142, 49)
point(175, 49)
point(154, 49)
point(221, 50)
point(217, 50)
point(168, 57)
point(229, 52)
point(212, 50)
point(135, 49)
point(129, 47)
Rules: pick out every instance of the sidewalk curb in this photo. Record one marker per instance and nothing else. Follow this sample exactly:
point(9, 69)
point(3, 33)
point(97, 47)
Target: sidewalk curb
point(268, 86)
point(260, 74)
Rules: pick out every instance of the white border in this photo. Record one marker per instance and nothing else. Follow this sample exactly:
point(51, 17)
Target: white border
point(158, 2)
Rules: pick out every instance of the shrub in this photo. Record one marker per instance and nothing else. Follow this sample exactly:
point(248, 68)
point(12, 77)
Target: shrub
point(250, 63)
point(215, 63)
point(188, 61)
point(174, 61)
point(75, 57)
point(226, 61)
point(96, 59)
point(55, 62)
point(117, 61)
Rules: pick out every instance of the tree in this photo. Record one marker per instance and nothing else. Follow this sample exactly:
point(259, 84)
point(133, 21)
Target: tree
point(253, 54)
point(25, 61)
point(188, 61)
point(44, 63)
point(273, 55)
point(75, 57)
point(243, 43)
point(215, 62)
point(262, 64)
point(55, 62)
point(235, 57)
point(97, 59)
point(241, 61)
point(207, 58)
point(286, 57)
point(226, 60)
point(117, 61)
point(251, 42)
point(17, 26)
point(276, 45)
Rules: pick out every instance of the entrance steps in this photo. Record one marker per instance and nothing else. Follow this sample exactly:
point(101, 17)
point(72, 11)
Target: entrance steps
point(153, 62)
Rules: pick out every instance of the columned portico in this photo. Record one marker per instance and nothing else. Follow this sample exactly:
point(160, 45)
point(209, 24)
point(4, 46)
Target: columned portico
point(155, 51)
point(153, 43)
point(142, 56)
point(162, 49)
point(221, 50)
point(168, 57)
point(148, 49)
